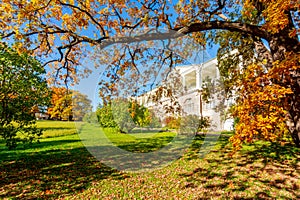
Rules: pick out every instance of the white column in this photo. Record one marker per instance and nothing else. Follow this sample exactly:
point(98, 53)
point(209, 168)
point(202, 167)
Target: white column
point(183, 82)
point(217, 71)
point(198, 76)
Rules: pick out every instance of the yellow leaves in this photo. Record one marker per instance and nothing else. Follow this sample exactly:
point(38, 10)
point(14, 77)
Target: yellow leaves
point(145, 18)
point(6, 7)
point(262, 104)
point(34, 2)
point(248, 9)
point(116, 1)
point(104, 11)
point(69, 21)
point(284, 68)
point(56, 12)
point(276, 15)
point(293, 33)
point(199, 38)
point(75, 20)
point(87, 4)
point(66, 17)
point(18, 35)
point(19, 47)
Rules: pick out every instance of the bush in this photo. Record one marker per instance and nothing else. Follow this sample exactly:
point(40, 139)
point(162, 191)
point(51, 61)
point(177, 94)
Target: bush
point(155, 122)
point(172, 122)
point(123, 114)
point(105, 117)
point(194, 124)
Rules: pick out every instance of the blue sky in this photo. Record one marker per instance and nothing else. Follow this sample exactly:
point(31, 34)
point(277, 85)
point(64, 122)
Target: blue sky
point(89, 85)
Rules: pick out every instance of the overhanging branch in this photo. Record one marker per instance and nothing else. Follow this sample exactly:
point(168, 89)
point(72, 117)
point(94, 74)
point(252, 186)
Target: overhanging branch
point(195, 27)
point(230, 26)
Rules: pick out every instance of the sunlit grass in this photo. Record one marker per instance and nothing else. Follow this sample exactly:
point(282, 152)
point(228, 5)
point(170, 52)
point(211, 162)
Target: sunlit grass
point(61, 168)
point(58, 128)
point(139, 142)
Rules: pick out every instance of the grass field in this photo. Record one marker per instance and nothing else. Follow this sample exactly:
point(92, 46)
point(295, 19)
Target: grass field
point(58, 128)
point(61, 168)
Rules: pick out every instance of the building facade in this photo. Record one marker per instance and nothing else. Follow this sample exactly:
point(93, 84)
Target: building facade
point(189, 96)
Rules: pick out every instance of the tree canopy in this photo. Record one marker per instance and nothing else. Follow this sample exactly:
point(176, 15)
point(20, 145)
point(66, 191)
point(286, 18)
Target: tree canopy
point(125, 115)
point(265, 33)
point(22, 89)
point(68, 104)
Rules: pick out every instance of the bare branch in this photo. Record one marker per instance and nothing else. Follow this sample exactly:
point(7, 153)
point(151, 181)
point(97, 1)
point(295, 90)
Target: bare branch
point(132, 56)
point(50, 61)
point(221, 5)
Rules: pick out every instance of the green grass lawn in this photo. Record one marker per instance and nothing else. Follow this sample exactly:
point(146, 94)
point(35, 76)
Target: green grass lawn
point(61, 168)
point(58, 128)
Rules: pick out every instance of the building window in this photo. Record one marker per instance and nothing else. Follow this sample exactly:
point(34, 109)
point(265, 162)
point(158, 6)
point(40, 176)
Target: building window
point(189, 106)
point(190, 80)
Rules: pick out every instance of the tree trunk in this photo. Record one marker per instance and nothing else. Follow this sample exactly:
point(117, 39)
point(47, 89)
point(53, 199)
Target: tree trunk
point(294, 126)
point(294, 109)
point(279, 46)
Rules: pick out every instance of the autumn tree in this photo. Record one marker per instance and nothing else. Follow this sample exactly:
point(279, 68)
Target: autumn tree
point(68, 104)
point(22, 89)
point(61, 104)
point(264, 33)
point(81, 105)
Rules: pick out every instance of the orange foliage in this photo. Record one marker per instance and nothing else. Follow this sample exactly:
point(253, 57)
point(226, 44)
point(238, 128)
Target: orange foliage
point(263, 102)
point(275, 14)
point(61, 104)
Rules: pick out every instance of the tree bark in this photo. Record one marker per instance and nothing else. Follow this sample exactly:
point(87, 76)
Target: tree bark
point(294, 122)
point(279, 46)
point(294, 109)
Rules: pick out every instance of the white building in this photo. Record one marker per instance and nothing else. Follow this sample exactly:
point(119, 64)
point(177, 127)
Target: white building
point(188, 95)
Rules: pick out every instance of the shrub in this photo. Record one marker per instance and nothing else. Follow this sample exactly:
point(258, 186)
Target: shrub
point(172, 122)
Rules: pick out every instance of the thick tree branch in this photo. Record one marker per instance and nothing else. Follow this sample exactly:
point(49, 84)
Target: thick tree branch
point(195, 27)
point(230, 26)
point(263, 53)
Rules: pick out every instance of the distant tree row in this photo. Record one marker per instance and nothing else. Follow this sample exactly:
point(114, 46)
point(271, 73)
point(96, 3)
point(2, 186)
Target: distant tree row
point(126, 115)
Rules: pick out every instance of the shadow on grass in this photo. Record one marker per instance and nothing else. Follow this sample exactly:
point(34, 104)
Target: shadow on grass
point(51, 173)
point(8, 155)
point(56, 172)
point(198, 150)
point(262, 170)
point(60, 167)
point(145, 145)
point(273, 151)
